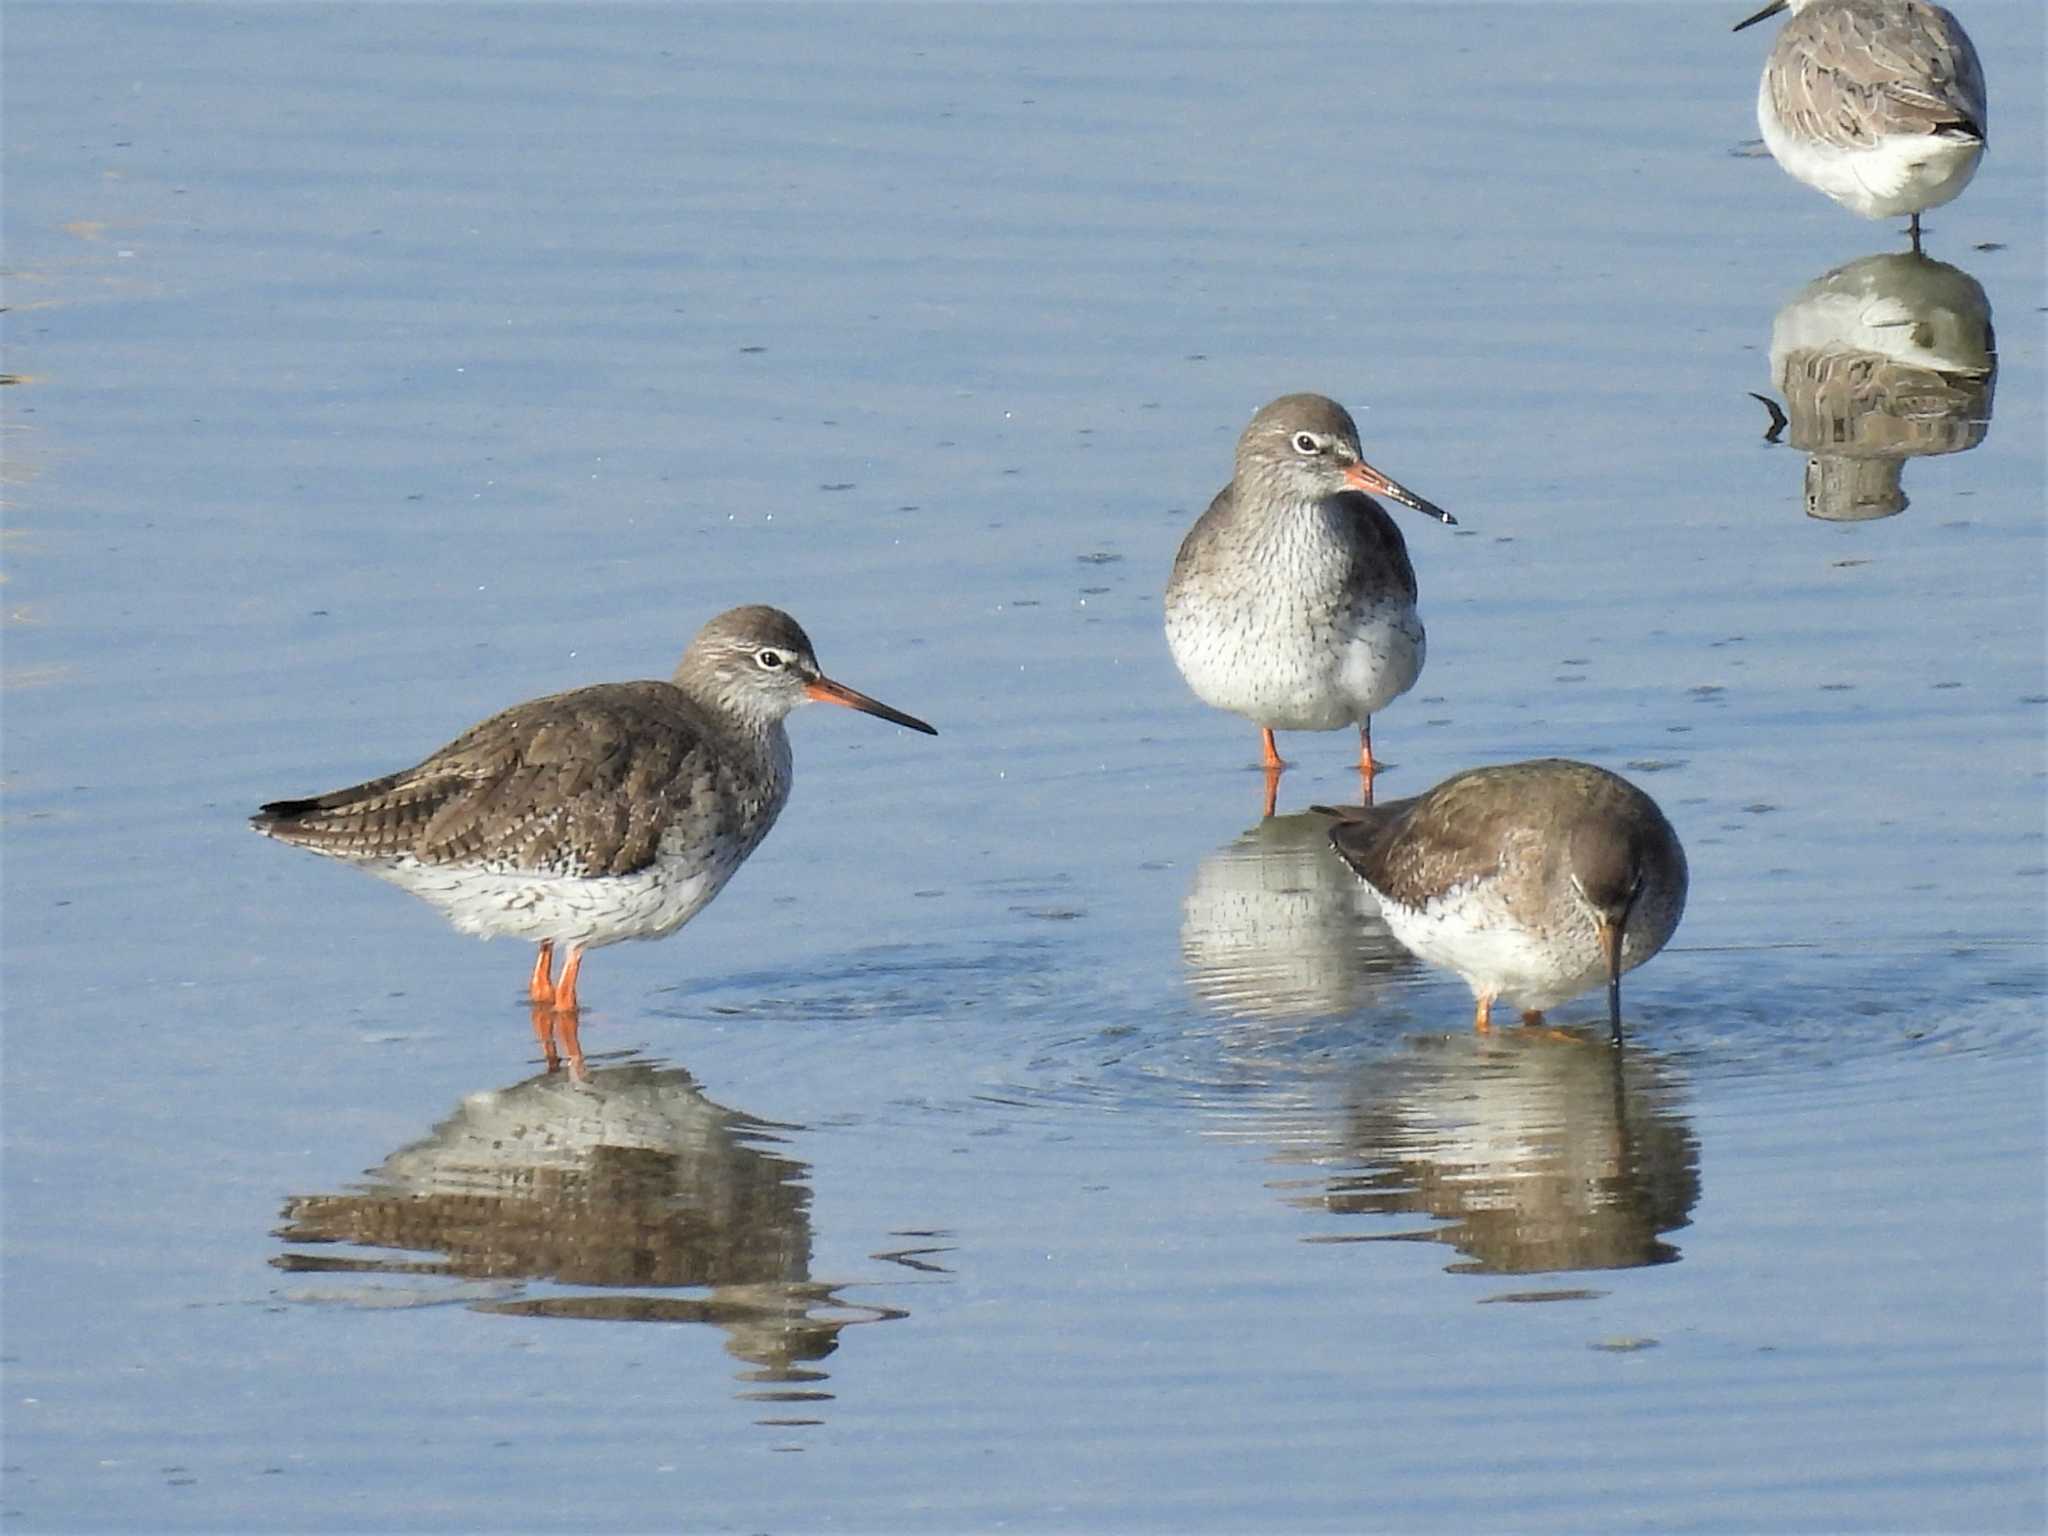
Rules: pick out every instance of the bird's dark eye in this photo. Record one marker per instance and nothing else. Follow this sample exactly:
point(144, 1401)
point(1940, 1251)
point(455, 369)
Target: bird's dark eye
point(1305, 442)
point(768, 660)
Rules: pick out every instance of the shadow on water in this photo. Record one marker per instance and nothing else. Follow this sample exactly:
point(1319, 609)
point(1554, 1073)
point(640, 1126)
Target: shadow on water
point(1884, 359)
point(1537, 1150)
point(1276, 926)
point(628, 1187)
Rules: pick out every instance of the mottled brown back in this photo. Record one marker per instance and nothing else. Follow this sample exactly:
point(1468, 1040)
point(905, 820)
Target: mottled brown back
point(1374, 842)
point(1414, 851)
point(580, 783)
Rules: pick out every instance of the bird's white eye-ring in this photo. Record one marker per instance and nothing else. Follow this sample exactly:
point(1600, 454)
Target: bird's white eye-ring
point(769, 659)
point(1305, 442)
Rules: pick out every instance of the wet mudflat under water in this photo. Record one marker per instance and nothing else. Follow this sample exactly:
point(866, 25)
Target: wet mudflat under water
point(1031, 1136)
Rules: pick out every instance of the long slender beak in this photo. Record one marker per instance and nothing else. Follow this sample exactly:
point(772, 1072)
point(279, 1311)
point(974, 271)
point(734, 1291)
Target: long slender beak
point(1363, 477)
point(1610, 946)
point(1770, 10)
point(825, 691)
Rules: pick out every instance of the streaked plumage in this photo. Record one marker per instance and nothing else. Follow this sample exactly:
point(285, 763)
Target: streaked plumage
point(1292, 599)
point(606, 813)
point(1878, 103)
point(1532, 880)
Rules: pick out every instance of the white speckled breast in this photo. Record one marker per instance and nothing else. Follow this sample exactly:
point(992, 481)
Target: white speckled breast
point(698, 853)
point(1285, 637)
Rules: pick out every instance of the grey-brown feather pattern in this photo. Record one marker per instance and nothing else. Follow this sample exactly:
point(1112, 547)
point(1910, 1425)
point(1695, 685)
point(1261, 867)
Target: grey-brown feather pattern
point(1533, 880)
point(1201, 546)
point(1416, 851)
point(1403, 850)
point(582, 783)
point(1852, 76)
point(1379, 559)
point(1220, 534)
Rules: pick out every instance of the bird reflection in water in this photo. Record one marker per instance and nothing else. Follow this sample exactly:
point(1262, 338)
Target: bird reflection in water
point(1887, 358)
point(631, 1183)
point(1275, 927)
point(1538, 1150)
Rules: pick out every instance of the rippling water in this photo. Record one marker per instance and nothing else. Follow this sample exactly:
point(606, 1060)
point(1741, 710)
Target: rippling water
point(375, 369)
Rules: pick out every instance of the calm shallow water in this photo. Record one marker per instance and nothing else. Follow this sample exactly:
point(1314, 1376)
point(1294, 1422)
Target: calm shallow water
point(1029, 1136)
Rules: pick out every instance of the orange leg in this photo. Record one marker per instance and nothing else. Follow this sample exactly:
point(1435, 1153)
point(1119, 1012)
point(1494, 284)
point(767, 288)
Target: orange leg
point(541, 990)
point(1482, 1016)
point(1271, 760)
point(1365, 762)
point(554, 1010)
point(565, 989)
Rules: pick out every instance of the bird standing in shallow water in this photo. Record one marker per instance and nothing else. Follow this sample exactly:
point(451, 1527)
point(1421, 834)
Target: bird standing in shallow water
point(584, 818)
point(1531, 880)
point(1878, 103)
point(1292, 600)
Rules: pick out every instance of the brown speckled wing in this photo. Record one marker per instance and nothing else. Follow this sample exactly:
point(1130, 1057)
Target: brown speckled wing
point(1474, 824)
point(1849, 77)
point(1413, 851)
point(1361, 832)
point(580, 783)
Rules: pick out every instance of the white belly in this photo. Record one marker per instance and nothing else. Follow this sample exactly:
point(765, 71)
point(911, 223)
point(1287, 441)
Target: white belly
point(1897, 175)
point(1471, 931)
point(584, 912)
point(1471, 934)
point(1284, 671)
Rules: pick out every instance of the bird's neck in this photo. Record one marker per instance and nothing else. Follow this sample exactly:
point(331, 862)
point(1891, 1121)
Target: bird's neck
point(756, 732)
point(1293, 527)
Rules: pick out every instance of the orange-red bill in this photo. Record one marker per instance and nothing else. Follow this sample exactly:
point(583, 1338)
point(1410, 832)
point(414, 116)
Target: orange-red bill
point(1363, 477)
point(825, 691)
